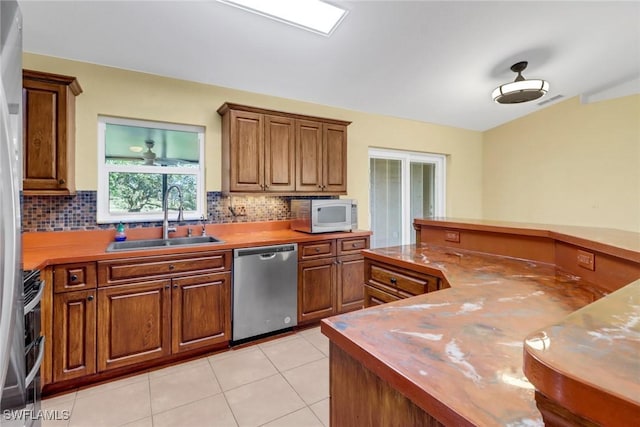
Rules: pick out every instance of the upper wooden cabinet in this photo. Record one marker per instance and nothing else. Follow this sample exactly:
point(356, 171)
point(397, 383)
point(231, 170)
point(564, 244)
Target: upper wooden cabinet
point(49, 133)
point(272, 151)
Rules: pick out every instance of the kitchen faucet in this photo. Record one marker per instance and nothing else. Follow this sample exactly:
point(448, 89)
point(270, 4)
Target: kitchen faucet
point(165, 207)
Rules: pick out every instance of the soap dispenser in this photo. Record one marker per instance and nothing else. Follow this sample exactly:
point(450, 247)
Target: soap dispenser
point(120, 234)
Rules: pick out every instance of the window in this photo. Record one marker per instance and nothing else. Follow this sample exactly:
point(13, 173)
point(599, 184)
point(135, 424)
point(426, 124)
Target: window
point(403, 186)
point(139, 160)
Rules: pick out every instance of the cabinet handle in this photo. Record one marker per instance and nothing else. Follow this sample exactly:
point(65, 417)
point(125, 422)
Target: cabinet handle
point(393, 280)
point(354, 245)
point(90, 298)
point(266, 186)
point(317, 249)
point(74, 278)
point(171, 267)
point(319, 186)
point(61, 181)
point(167, 287)
point(175, 286)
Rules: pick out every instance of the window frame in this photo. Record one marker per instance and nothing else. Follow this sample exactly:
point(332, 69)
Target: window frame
point(103, 216)
point(406, 158)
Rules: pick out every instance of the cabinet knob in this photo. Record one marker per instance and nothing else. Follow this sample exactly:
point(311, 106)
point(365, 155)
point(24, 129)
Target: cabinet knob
point(266, 186)
point(354, 245)
point(74, 278)
point(175, 286)
point(393, 280)
point(319, 186)
point(171, 267)
point(317, 249)
point(90, 298)
point(61, 181)
point(167, 287)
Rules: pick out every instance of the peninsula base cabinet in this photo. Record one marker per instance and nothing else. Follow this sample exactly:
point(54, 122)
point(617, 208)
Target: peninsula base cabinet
point(114, 314)
point(330, 277)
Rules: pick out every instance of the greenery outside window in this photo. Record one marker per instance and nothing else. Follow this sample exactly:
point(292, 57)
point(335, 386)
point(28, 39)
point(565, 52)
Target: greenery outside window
point(138, 160)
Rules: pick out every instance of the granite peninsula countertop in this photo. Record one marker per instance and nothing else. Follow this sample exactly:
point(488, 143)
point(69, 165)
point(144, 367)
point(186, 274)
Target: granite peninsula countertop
point(462, 348)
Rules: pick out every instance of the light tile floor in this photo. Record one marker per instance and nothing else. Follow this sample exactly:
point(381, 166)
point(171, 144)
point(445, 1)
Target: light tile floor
point(279, 383)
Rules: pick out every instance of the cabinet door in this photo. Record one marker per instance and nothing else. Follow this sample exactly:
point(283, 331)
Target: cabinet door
point(246, 151)
point(316, 289)
point(45, 149)
point(74, 335)
point(308, 156)
point(334, 146)
point(201, 311)
point(350, 283)
point(374, 296)
point(134, 323)
point(279, 154)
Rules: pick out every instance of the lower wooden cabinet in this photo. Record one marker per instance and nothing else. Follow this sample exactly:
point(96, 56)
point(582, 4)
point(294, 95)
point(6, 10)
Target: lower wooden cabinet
point(316, 289)
point(330, 277)
point(386, 283)
point(111, 314)
point(134, 323)
point(74, 336)
point(200, 310)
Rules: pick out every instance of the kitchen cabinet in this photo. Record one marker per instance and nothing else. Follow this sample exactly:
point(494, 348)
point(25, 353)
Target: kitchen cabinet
point(330, 277)
point(200, 310)
point(321, 157)
point(386, 283)
point(134, 323)
point(275, 152)
point(74, 321)
point(155, 306)
point(49, 133)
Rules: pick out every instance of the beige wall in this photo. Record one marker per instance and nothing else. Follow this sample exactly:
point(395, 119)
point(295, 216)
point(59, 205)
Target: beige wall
point(118, 92)
point(567, 164)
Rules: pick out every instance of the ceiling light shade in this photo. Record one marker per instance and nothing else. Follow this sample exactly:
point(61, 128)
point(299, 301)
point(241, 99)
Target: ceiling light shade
point(313, 15)
point(520, 90)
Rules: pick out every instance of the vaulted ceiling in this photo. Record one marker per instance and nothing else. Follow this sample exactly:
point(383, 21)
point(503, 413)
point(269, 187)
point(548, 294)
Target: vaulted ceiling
point(425, 60)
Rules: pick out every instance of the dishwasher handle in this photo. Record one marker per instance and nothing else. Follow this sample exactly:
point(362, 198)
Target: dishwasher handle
point(265, 252)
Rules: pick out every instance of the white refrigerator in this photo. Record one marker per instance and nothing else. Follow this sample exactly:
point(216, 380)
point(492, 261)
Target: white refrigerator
point(12, 364)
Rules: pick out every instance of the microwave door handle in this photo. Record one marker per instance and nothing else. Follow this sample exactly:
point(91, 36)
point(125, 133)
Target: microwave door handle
point(36, 366)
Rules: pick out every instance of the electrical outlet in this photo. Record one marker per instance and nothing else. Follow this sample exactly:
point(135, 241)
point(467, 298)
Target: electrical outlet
point(452, 236)
point(586, 260)
point(241, 211)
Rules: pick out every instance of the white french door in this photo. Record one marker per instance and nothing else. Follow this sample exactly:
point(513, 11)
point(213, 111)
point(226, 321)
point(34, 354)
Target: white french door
point(403, 185)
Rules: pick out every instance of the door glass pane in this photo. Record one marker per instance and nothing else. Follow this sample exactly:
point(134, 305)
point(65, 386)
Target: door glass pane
point(386, 202)
point(421, 190)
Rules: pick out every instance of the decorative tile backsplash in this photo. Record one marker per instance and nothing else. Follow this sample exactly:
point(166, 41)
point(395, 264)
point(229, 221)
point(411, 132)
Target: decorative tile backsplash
point(64, 213)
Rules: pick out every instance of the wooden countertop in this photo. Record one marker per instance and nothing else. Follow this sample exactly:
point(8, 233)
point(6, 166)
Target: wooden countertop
point(458, 353)
point(620, 243)
point(589, 362)
point(461, 348)
point(41, 249)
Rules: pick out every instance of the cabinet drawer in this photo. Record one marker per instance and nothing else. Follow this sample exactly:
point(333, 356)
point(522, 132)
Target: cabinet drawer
point(325, 248)
point(405, 284)
point(74, 277)
point(134, 269)
point(352, 245)
point(374, 296)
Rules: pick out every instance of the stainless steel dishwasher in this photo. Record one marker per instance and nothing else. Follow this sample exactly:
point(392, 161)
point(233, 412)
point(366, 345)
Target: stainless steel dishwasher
point(265, 290)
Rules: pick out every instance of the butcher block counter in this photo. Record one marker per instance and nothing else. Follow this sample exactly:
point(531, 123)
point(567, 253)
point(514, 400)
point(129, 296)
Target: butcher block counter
point(547, 338)
point(41, 249)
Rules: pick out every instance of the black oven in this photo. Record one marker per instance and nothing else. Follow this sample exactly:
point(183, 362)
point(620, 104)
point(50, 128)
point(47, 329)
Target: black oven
point(21, 395)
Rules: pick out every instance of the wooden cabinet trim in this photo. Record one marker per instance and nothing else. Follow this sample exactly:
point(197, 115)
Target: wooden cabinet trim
point(227, 106)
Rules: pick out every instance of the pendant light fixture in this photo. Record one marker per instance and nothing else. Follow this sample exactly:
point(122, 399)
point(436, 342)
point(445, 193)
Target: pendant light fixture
point(520, 90)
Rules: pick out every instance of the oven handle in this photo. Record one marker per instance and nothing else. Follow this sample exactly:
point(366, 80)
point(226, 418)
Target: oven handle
point(36, 366)
point(29, 307)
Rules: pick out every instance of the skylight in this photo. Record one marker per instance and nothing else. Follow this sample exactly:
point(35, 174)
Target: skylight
point(312, 15)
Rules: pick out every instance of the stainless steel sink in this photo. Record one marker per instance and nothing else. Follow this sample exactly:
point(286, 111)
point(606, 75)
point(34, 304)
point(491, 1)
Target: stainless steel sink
point(130, 245)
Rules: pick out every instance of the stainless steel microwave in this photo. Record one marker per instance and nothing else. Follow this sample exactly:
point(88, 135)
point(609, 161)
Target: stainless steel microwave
point(324, 216)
